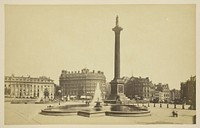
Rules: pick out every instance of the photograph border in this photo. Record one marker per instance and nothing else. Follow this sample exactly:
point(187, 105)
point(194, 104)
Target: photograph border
point(69, 2)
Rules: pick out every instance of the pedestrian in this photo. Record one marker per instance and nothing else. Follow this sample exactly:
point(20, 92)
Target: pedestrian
point(173, 113)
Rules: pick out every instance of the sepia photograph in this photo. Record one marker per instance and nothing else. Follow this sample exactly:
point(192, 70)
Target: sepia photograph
point(99, 64)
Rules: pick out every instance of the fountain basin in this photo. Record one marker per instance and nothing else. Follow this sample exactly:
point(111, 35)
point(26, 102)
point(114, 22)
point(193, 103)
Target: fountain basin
point(128, 111)
point(91, 113)
point(128, 107)
point(128, 114)
point(65, 110)
point(58, 112)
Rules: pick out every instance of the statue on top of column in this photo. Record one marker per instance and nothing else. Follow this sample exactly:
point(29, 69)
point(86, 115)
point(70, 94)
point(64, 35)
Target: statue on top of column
point(117, 20)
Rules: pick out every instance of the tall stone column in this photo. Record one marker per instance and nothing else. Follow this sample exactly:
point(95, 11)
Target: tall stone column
point(117, 31)
point(117, 84)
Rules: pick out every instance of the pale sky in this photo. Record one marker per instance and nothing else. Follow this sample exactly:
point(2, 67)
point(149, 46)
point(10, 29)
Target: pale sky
point(157, 41)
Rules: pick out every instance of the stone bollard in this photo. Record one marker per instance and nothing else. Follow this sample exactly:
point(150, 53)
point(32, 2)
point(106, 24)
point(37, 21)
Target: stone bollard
point(183, 107)
point(154, 104)
point(174, 105)
point(160, 105)
point(167, 105)
point(148, 104)
point(194, 119)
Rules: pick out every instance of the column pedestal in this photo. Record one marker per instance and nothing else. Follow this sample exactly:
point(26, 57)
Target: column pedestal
point(117, 92)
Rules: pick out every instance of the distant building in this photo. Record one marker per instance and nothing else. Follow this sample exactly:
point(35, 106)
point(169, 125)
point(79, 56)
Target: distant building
point(82, 84)
point(164, 88)
point(57, 92)
point(159, 96)
point(29, 87)
point(108, 90)
point(137, 87)
point(188, 90)
point(125, 79)
point(175, 95)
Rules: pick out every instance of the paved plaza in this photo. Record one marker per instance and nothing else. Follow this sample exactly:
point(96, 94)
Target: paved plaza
point(19, 114)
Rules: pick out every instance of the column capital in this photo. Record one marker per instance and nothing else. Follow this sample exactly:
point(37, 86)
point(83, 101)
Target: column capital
point(117, 29)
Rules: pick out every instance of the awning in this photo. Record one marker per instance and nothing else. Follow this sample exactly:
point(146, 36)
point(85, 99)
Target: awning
point(86, 97)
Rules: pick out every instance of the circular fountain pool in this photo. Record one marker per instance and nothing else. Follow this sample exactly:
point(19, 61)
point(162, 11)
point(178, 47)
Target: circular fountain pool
point(64, 110)
point(127, 111)
point(96, 109)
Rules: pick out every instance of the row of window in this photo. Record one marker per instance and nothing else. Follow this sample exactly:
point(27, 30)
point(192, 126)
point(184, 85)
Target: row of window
point(28, 94)
point(35, 80)
point(28, 90)
point(76, 92)
point(78, 82)
point(21, 85)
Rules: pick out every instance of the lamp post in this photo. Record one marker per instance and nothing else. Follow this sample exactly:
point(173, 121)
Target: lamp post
point(59, 94)
point(137, 101)
point(85, 89)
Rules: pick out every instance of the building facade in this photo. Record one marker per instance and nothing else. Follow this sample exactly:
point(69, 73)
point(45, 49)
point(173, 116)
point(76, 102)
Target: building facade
point(159, 96)
point(175, 95)
point(188, 90)
point(29, 87)
point(82, 84)
point(164, 88)
point(137, 87)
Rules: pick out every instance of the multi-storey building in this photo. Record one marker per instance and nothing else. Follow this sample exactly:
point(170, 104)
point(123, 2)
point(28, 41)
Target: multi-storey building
point(188, 90)
point(139, 88)
point(159, 96)
point(175, 95)
point(125, 79)
point(107, 90)
point(29, 87)
point(82, 84)
point(164, 88)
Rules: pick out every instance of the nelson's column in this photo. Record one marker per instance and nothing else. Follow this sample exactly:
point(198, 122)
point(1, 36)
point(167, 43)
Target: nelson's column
point(117, 84)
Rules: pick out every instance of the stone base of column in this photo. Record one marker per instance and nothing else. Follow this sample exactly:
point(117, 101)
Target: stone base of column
point(117, 86)
point(117, 92)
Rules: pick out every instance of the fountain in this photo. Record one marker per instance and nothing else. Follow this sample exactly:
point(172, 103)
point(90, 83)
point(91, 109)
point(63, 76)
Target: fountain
point(97, 95)
point(94, 109)
point(65, 110)
point(127, 110)
point(98, 106)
